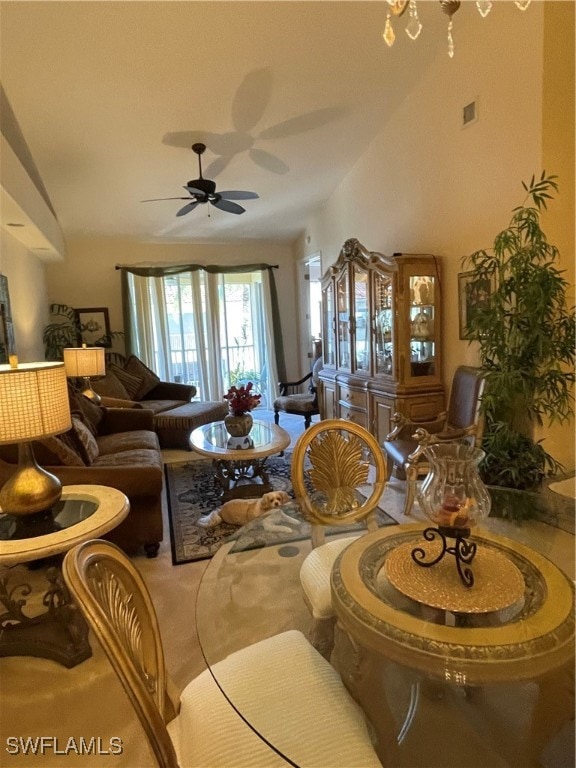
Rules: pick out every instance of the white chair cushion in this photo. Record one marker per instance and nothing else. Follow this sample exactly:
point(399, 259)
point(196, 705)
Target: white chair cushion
point(296, 699)
point(315, 576)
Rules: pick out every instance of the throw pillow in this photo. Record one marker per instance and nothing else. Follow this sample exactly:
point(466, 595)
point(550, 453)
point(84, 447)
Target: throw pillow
point(110, 386)
point(92, 414)
point(62, 447)
point(149, 379)
point(132, 384)
point(87, 438)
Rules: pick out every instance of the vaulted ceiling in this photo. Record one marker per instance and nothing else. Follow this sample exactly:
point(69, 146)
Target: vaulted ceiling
point(110, 96)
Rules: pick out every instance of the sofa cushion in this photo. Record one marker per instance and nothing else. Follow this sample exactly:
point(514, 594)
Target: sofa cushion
point(110, 386)
point(127, 441)
point(137, 368)
point(132, 383)
point(91, 413)
point(86, 438)
point(66, 449)
point(119, 402)
point(175, 426)
point(138, 458)
point(160, 406)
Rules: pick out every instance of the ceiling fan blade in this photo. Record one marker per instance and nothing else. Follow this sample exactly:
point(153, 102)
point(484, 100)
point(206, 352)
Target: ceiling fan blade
point(237, 194)
point(193, 191)
point(156, 199)
point(187, 208)
point(226, 205)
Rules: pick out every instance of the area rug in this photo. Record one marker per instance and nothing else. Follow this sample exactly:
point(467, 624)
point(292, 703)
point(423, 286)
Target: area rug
point(192, 493)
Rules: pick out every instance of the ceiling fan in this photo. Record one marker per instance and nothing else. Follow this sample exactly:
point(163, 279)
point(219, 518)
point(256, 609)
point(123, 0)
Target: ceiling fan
point(203, 190)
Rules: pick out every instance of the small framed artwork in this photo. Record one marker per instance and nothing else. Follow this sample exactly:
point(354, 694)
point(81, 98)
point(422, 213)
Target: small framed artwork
point(473, 294)
point(93, 327)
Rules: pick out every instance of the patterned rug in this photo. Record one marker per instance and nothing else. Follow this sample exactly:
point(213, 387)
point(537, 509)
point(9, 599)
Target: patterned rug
point(192, 493)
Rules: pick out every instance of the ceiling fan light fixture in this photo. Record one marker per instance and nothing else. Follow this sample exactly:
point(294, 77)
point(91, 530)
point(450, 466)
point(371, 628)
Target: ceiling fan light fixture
point(203, 186)
point(203, 191)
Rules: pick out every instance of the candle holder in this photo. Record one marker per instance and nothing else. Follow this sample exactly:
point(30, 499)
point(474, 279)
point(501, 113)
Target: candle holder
point(454, 498)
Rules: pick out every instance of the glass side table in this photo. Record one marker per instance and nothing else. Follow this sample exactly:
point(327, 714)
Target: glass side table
point(60, 632)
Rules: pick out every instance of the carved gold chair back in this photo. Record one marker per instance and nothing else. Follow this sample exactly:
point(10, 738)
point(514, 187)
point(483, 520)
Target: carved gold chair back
point(338, 475)
point(116, 604)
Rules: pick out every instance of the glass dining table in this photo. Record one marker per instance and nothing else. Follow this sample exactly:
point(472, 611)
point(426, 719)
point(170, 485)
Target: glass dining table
point(485, 680)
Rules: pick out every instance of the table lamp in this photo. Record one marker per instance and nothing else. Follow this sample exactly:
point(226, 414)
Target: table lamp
point(83, 362)
point(33, 405)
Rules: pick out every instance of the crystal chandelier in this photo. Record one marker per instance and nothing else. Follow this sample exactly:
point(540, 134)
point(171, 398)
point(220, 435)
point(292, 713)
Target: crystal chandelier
point(449, 7)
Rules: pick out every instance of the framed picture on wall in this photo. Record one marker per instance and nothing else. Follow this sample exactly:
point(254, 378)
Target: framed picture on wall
point(473, 294)
point(7, 340)
point(93, 327)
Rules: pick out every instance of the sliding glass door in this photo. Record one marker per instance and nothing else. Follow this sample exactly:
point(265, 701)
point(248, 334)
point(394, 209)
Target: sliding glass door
point(210, 330)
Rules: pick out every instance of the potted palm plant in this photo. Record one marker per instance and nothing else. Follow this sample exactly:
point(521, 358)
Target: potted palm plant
point(526, 336)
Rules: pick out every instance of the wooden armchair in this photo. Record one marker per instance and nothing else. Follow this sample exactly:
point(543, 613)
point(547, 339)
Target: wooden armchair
point(405, 445)
point(293, 400)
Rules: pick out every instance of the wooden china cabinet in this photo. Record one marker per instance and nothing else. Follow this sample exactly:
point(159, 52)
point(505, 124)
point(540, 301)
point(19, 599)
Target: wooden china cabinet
point(382, 341)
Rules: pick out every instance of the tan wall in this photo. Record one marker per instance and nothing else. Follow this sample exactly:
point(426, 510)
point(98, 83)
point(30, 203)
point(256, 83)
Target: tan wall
point(429, 185)
point(558, 157)
point(27, 287)
point(88, 278)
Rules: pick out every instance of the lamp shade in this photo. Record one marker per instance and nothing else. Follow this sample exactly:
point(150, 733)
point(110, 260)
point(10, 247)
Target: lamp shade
point(33, 401)
point(84, 361)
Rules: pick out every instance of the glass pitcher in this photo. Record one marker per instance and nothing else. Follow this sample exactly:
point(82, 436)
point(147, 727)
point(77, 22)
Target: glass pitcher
point(452, 495)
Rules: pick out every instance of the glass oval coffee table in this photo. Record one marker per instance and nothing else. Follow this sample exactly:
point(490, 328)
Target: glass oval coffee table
point(240, 470)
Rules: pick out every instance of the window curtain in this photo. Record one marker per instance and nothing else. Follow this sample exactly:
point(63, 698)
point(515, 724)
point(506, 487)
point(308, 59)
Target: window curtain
point(147, 334)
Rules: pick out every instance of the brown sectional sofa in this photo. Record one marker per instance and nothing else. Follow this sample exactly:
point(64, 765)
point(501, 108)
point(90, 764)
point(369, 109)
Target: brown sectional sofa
point(119, 443)
point(127, 457)
point(175, 414)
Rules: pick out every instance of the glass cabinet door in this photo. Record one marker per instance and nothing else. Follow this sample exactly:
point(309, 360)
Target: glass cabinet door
point(422, 330)
point(329, 324)
point(383, 324)
point(343, 320)
point(361, 321)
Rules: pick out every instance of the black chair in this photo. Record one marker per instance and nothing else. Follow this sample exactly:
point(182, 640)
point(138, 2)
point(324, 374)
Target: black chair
point(295, 401)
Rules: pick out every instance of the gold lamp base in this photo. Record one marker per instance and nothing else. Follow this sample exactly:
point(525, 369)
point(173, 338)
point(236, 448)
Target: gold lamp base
point(32, 489)
point(88, 392)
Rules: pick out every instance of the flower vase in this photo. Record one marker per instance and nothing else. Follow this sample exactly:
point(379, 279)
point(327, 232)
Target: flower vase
point(238, 424)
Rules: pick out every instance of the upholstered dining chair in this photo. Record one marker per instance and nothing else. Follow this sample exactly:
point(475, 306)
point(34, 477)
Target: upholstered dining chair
point(289, 682)
point(406, 444)
point(300, 403)
point(338, 475)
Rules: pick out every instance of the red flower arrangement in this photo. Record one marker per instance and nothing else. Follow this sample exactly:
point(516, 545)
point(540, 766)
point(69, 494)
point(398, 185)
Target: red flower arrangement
point(242, 400)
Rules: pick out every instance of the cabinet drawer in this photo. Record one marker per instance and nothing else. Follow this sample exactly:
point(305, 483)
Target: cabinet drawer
point(356, 416)
point(425, 408)
point(353, 398)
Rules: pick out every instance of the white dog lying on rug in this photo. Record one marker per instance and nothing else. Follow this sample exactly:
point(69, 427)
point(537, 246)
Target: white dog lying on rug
point(242, 511)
